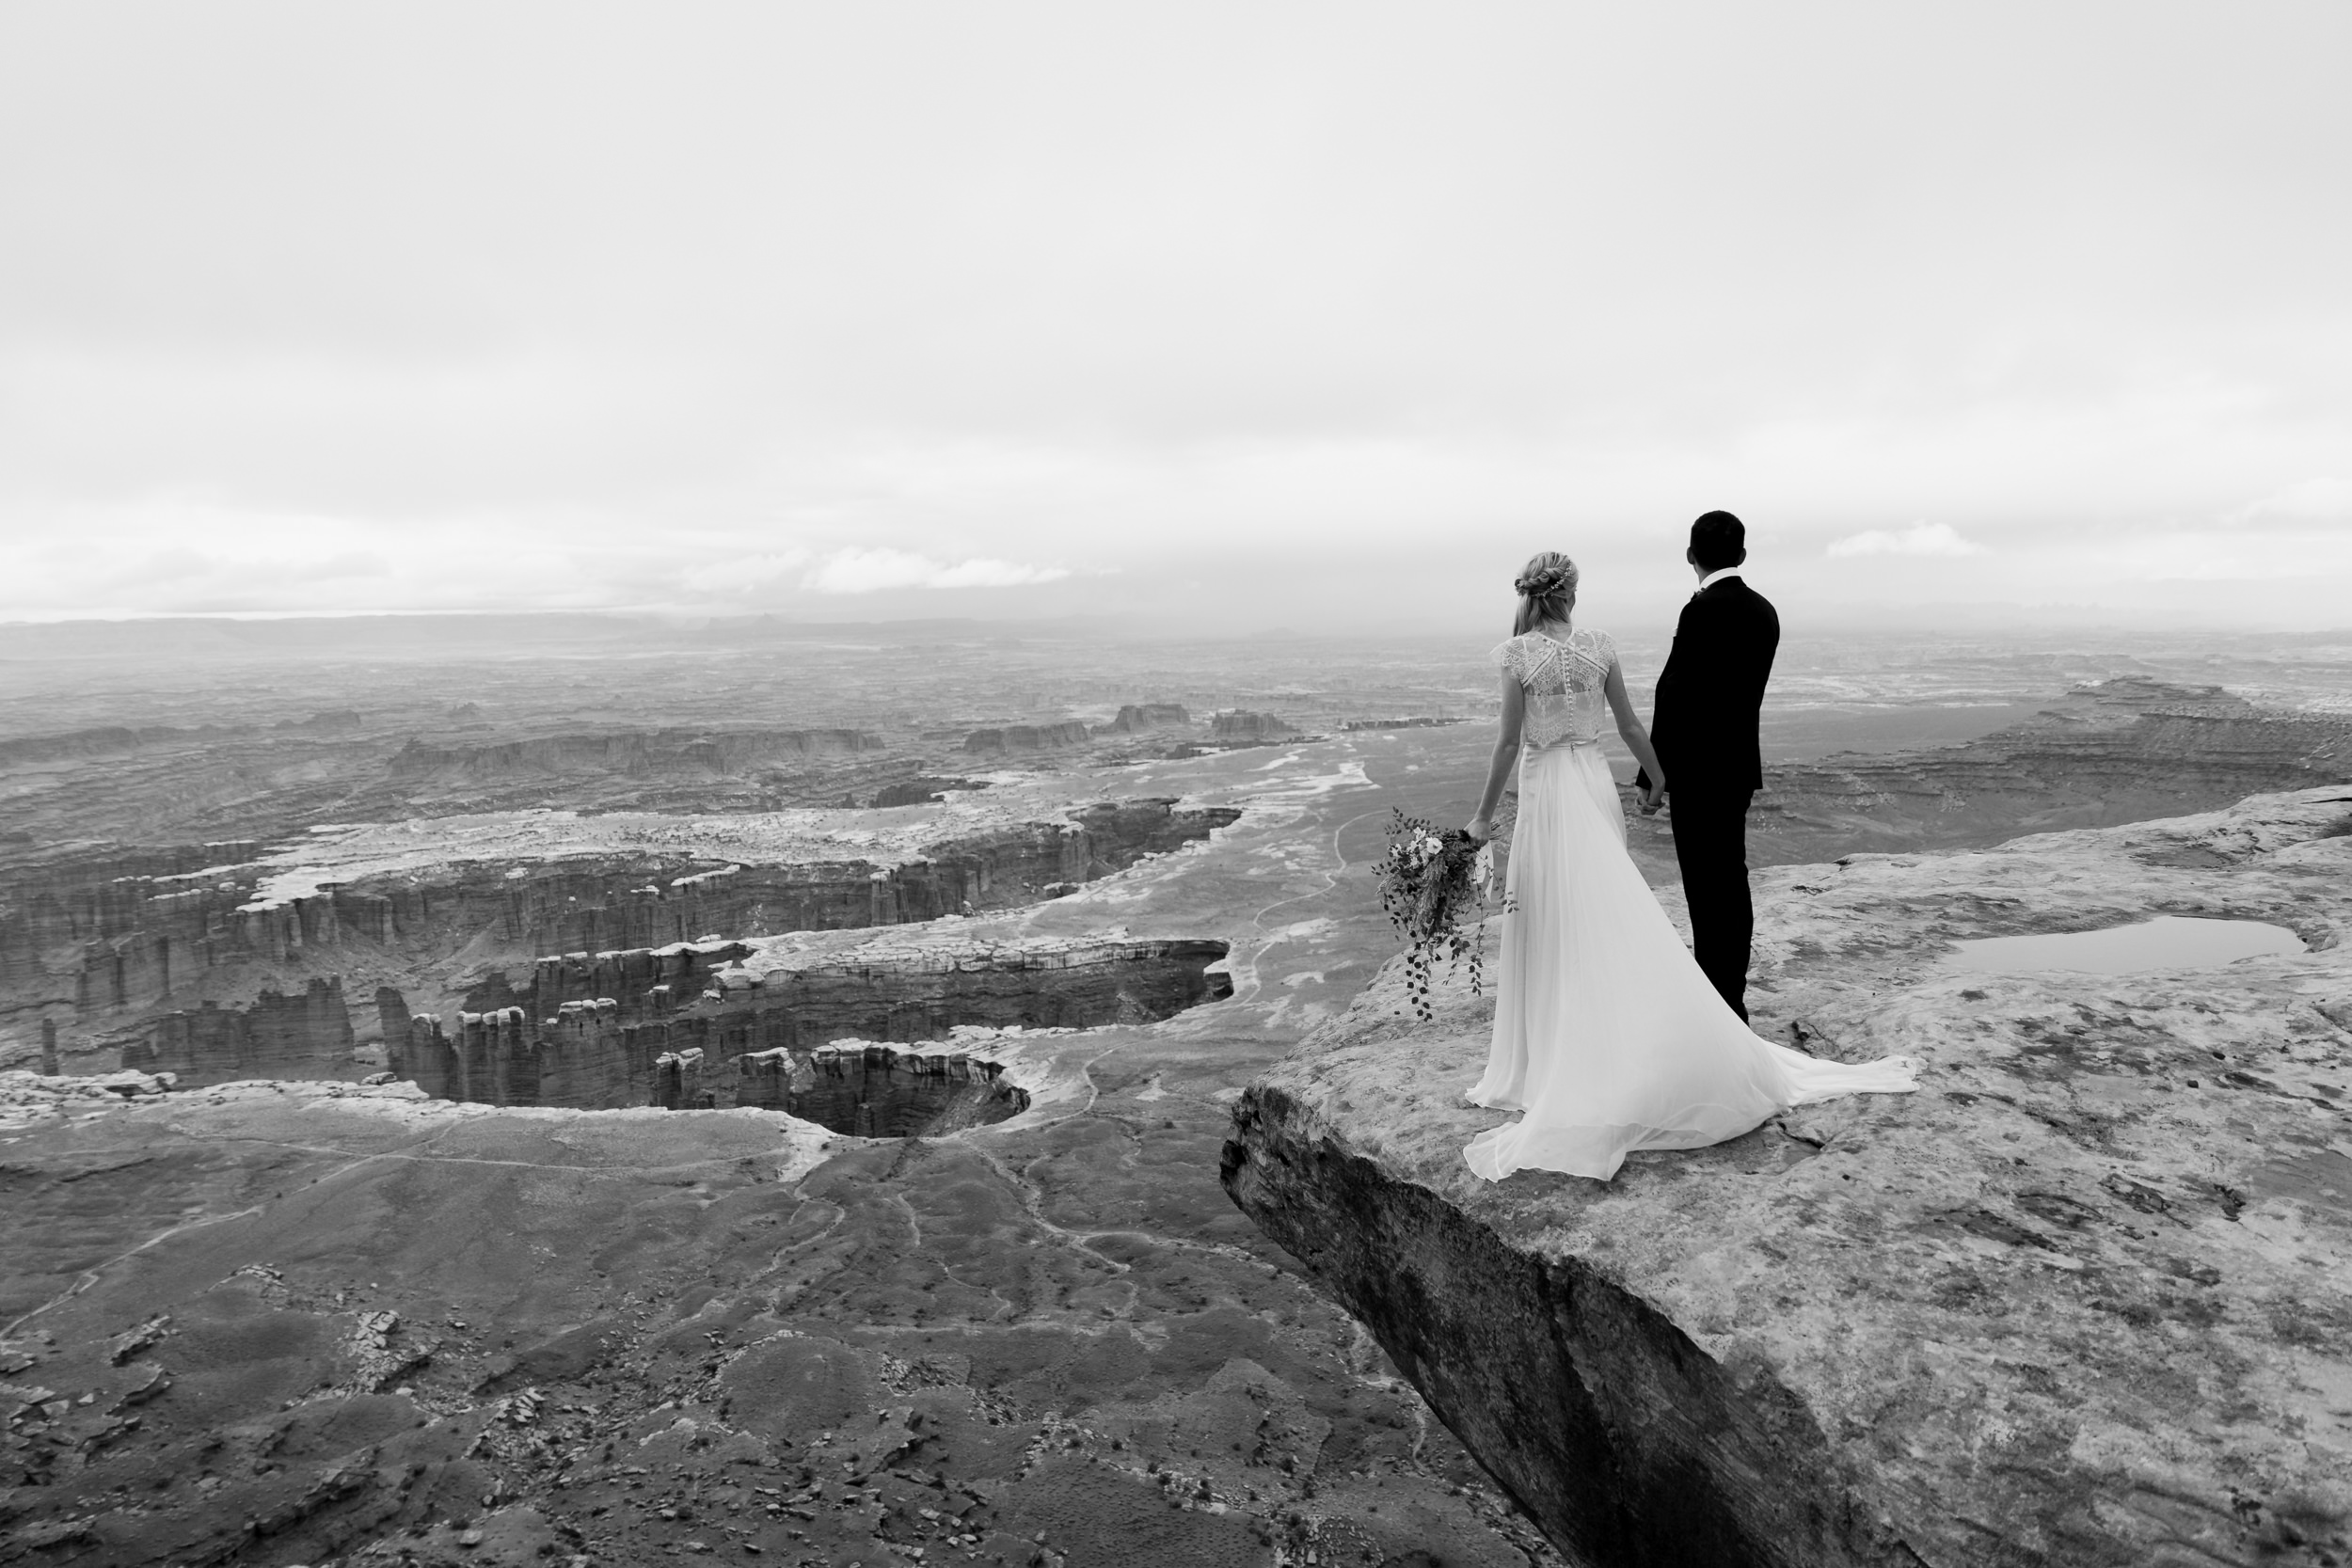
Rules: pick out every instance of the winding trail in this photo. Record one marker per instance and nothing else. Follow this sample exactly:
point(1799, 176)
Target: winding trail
point(90, 1276)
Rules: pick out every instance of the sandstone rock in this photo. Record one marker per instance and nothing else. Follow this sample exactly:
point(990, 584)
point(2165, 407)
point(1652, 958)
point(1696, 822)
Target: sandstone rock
point(277, 1036)
point(874, 1091)
point(2109, 752)
point(771, 995)
point(925, 791)
point(677, 1081)
point(1241, 725)
point(166, 947)
point(28, 1097)
point(724, 752)
point(2086, 1298)
point(1136, 717)
point(1022, 739)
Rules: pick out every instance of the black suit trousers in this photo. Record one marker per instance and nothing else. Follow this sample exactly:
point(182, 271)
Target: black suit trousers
point(1712, 844)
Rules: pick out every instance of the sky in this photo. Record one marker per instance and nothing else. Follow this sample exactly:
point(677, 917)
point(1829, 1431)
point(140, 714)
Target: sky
point(1319, 315)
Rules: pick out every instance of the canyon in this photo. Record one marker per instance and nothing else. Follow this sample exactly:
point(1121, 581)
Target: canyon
point(591, 1033)
point(181, 954)
point(620, 1130)
point(953, 1293)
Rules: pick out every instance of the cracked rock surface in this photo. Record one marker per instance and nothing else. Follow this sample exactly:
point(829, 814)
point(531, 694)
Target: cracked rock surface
point(2084, 1299)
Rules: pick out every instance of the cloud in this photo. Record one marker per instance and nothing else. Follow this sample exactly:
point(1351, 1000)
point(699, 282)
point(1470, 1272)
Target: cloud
point(1921, 538)
point(732, 573)
point(870, 571)
point(2323, 499)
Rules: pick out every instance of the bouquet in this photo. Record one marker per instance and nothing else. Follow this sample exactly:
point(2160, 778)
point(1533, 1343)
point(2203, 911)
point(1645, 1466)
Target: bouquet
point(1433, 887)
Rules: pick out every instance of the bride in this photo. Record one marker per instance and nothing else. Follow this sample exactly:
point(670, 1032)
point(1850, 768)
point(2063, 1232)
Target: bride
point(1608, 1035)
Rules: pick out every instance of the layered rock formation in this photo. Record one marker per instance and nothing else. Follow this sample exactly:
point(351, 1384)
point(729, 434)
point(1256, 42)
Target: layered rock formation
point(308, 1036)
point(79, 745)
point(879, 1091)
point(1026, 739)
point(1241, 725)
point(1138, 717)
point(630, 753)
point(2120, 751)
point(2086, 1298)
point(921, 791)
point(554, 1046)
point(120, 937)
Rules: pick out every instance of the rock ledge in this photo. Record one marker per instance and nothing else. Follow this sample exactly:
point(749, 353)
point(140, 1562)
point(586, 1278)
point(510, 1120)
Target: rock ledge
point(2085, 1299)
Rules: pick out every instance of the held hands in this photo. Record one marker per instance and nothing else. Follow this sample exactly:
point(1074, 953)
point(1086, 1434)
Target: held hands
point(1653, 794)
point(1479, 830)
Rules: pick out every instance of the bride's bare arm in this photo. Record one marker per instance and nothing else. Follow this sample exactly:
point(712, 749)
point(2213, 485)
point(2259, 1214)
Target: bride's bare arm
point(1506, 754)
point(1635, 737)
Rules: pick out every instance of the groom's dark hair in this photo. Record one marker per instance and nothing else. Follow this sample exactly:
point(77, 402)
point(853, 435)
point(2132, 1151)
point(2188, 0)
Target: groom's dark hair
point(1718, 540)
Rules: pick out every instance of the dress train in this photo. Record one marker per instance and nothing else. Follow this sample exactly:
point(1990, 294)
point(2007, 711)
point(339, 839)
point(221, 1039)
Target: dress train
point(1607, 1033)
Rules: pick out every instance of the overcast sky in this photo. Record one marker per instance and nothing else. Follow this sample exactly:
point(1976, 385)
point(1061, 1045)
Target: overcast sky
point(1265, 311)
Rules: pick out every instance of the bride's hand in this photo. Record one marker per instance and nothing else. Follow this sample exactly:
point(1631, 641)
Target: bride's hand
point(1479, 828)
point(1653, 797)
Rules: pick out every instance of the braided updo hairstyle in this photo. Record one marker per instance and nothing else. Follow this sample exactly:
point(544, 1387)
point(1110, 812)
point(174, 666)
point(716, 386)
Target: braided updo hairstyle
point(1547, 586)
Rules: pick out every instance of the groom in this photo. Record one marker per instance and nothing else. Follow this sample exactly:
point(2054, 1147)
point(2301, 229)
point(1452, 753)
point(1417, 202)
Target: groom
point(1704, 729)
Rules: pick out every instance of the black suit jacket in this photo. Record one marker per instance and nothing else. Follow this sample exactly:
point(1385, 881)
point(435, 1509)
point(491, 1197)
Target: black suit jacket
point(1710, 695)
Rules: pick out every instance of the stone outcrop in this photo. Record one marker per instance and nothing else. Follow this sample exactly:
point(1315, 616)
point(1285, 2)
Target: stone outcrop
point(1241, 725)
point(305, 1035)
point(31, 1099)
point(923, 791)
point(630, 753)
point(555, 1048)
point(1026, 739)
point(1138, 717)
point(677, 1081)
point(2086, 1298)
point(879, 1091)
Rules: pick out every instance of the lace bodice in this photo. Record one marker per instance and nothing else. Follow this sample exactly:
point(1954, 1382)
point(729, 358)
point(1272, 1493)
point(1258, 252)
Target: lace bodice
point(1565, 682)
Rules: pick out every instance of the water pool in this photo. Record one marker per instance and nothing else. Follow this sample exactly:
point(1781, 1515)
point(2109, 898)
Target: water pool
point(2168, 941)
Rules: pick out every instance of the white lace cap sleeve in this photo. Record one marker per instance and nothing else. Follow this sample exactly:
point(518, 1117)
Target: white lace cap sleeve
point(1511, 658)
point(1604, 650)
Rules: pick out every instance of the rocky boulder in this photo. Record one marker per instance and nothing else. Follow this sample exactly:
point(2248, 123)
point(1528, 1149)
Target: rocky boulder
point(2084, 1299)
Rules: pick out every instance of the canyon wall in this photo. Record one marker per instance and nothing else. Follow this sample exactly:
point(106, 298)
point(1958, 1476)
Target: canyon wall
point(2122, 751)
point(628, 754)
point(920, 791)
point(873, 1091)
point(106, 742)
point(552, 1046)
point(121, 934)
point(1135, 718)
point(305, 1035)
point(1241, 725)
point(1026, 739)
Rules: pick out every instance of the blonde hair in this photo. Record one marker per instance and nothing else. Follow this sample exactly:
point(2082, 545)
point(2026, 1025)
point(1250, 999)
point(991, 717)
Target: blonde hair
point(1547, 586)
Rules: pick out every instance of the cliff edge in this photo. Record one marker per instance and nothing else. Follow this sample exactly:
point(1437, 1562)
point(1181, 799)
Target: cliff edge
point(2084, 1299)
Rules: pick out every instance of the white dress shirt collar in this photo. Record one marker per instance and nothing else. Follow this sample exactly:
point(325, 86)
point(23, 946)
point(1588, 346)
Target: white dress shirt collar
point(1711, 578)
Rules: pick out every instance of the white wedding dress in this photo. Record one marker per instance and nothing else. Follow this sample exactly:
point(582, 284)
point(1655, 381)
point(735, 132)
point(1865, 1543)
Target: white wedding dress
point(1606, 1035)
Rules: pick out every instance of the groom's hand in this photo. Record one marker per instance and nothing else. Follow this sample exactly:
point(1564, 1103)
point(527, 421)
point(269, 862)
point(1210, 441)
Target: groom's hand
point(1653, 796)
